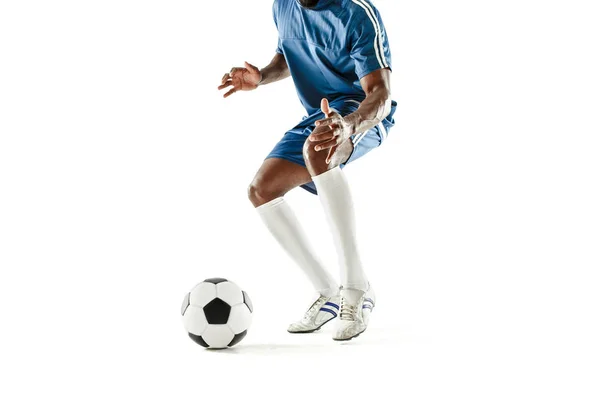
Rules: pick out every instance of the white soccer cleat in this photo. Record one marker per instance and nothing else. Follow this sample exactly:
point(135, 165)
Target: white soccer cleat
point(354, 315)
point(323, 310)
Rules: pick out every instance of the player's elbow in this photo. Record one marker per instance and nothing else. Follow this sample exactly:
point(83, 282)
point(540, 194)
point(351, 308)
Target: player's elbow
point(387, 108)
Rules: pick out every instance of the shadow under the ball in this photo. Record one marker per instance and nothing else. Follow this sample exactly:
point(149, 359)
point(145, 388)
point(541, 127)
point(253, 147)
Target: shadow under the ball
point(376, 338)
point(277, 349)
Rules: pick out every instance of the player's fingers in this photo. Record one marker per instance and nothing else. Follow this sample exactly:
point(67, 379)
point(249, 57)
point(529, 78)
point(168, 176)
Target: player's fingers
point(235, 70)
point(232, 91)
point(325, 107)
point(323, 134)
point(325, 121)
point(326, 145)
point(250, 66)
point(330, 154)
point(321, 129)
point(322, 137)
point(225, 78)
point(318, 134)
point(226, 84)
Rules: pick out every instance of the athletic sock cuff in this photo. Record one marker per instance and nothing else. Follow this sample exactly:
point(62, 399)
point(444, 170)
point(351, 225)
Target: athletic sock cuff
point(327, 176)
point(270, 205)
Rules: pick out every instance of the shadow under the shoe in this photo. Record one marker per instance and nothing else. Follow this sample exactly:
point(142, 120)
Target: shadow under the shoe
point(276, 349)
point(320, 342)
point(288, 348)
point(302, 347)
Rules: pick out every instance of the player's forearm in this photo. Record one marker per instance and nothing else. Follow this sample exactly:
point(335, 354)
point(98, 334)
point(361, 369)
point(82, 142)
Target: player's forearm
point(275, 71)
point(374, 108)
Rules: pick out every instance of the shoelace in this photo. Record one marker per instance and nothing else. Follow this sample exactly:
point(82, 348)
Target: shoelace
point(347, 311)
point(315, 307)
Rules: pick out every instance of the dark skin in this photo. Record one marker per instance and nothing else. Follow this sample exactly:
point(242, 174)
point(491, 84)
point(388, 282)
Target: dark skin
point(328, 146)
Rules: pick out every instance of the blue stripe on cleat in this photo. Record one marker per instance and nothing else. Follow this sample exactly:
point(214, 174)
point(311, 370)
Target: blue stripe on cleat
point(329, 311)
point(333, 305)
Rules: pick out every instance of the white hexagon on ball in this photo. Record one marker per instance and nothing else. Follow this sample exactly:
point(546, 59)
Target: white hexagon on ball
point(230, 293)
point(218, 336)
point(202, 294)
point(240, 318)
point(194, 320)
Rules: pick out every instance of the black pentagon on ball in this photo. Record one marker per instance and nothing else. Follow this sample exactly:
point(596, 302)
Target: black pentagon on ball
point(215, 280)
point(247, 301)
point(198, 339)
point(217, 312)
point(237, 338)
point(185, 304)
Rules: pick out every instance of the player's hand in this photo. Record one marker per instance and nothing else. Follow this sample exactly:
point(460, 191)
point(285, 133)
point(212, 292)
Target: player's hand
point(246, 78)
point(330, 132)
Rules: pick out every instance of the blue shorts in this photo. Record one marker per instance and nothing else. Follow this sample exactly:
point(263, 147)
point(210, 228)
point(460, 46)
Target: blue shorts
point(291, 144)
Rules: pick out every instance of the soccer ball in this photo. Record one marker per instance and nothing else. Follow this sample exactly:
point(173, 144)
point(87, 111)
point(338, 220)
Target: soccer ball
point(216, 313)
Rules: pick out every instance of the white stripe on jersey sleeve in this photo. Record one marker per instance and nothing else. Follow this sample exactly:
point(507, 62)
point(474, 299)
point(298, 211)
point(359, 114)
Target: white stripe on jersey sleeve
point(379, 32)
point(377, 42)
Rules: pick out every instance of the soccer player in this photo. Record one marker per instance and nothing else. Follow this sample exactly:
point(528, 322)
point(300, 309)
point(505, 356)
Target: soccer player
point(338, 55)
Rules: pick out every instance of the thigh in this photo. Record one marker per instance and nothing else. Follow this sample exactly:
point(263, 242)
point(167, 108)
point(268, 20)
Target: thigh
point(280, 173)
point(285, 166)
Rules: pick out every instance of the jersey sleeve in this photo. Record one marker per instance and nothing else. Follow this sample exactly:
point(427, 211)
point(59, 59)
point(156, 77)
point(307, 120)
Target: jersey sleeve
point(369, 47)
point(279, 49)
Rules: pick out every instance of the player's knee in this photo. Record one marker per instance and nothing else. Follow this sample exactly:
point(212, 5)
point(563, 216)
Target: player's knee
point(254, 194)
point(260, 193)
point(311, 156)
point(315, 160)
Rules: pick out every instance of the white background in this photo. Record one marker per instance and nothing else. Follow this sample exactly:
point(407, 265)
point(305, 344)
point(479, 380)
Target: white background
point(123, 178)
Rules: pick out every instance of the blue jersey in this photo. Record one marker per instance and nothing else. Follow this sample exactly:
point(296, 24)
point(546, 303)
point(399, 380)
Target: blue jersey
point(329, 48)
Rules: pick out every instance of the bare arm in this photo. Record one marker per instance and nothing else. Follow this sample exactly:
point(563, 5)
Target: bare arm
point(335, 129)
point(376, 106)
point(275, 71)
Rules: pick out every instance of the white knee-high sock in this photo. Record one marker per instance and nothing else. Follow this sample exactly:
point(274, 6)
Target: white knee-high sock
point(283, 224)
point(334, 192)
